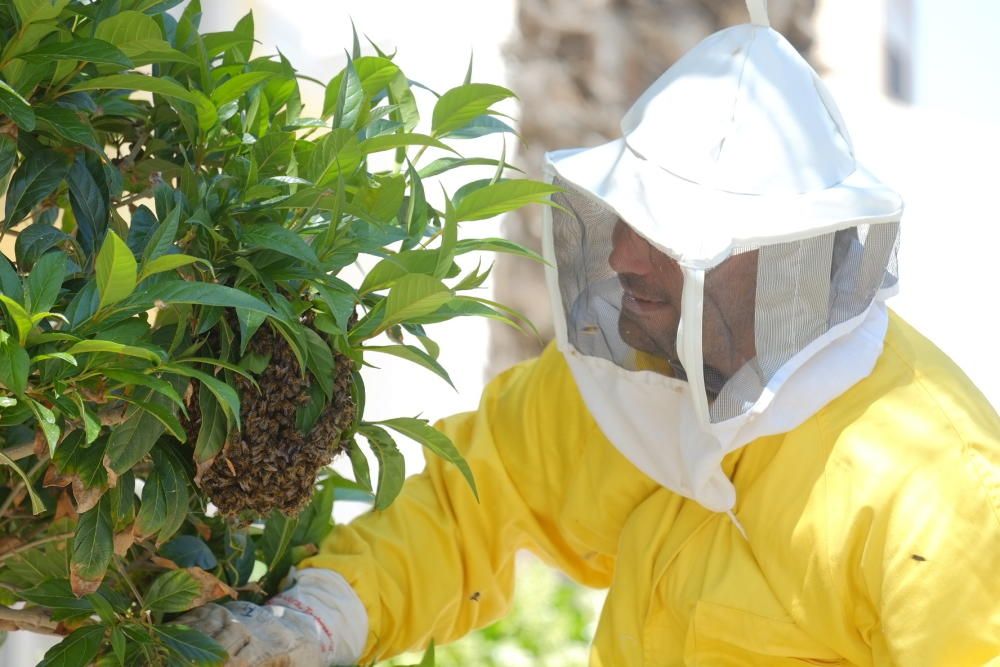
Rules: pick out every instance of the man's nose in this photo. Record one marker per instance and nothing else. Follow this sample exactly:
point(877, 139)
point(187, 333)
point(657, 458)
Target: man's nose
point(630, 253)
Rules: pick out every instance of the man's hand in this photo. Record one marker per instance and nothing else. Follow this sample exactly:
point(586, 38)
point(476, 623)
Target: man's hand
point(262, 636)
point(317, 622)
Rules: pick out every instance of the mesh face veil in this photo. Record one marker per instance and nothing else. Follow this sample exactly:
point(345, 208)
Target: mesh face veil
point(719, 275)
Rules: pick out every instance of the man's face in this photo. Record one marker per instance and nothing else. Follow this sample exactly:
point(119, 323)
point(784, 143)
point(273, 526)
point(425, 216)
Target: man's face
point(651, 305)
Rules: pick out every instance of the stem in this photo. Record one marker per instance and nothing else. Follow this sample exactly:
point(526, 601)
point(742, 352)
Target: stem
point(32, 620)
point(131, 198)
point(19, 452)
point(128, 580)
point(36, 543)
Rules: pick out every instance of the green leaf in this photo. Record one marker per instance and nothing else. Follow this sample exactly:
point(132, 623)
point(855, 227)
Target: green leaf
point(389, 141)
point(414, 354)
point(8, 151)
point(320, 361)
point(428, 659)
point(150, 51)
point(350, 99)
point(66, 124)
point(21, 318)
point(449, 237)
point(444, 164)
point(47, 421)
point(116, 271)
point(500, 197)
point(497, 245)
point(375, 74)
point(434, 440)
point(132, 378)
point(359, 464)
point(131, 440)
point(37, 506)
point(412, 296)
point(228, 399)
point(93, 547)
point(275, 540)
point(38, 176)
point(213, 430)
point(237, 86)
point(416, 208)
point(191, 646)
point(44, 282)
point(480, 127)
point(88, 202)
point(189, 551)
point(207, 115)
point(172, 591)
point(401, 95)
point(95, 345)
point(279, 239)
point(337, 153)
point(62, 356)
point(392, 268)
point(103, 608)
point(34, 241)
point(77, 650)
point(14, 367)
point(118, 644)
point(80, 49)
point(161, 241)
point(56, 594)
point(16, 108)
point(457, 107)
point(32, 11)
point(129, 31)
point(163, 414)
point(210, 294)
point(391, 465)
point(164, 497)
point(167, 263)
point(75, 458)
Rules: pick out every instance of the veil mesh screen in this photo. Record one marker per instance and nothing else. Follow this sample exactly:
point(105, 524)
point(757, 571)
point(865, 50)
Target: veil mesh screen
point(763, 305)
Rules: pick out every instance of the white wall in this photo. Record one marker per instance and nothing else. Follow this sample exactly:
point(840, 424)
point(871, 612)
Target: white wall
point(940, 158)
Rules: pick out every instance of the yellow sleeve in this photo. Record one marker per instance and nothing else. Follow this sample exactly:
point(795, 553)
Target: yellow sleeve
point(436, 564)
point(933, 571)
point(930, 564)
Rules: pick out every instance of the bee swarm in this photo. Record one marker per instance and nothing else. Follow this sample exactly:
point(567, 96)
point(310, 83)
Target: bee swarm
point(269, 464)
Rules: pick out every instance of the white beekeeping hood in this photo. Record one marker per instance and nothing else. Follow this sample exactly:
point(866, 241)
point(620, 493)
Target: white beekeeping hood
point(718, 271)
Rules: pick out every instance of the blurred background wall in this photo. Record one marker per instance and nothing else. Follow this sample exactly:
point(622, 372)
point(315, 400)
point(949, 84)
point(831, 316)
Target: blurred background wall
point(918, 82)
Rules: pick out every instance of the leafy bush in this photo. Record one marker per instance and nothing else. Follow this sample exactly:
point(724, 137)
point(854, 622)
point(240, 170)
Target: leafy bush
point(176, 327)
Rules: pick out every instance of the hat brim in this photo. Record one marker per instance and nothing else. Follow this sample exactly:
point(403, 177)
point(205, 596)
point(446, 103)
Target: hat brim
point(700, 226)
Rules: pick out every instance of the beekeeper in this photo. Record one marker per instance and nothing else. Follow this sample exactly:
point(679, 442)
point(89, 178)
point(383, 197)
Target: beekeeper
point(733, 434)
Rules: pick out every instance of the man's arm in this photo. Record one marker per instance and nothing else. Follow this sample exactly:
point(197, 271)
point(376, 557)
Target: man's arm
point(932, 570)
point(438, 564)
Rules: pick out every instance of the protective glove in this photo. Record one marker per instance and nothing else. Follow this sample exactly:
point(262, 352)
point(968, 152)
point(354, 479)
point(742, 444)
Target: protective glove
point(317, 622)
point(262, 636)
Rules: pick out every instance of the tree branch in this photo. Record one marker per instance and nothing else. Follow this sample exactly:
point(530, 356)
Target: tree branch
point(33, 620)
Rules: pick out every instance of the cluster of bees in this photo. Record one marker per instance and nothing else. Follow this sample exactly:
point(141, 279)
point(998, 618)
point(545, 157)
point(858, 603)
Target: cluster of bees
point(270, 464)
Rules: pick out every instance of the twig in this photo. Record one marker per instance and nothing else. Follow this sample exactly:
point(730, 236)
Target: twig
point(128, 580)
point(36, 543)
point(32, 620)
point(19, 452)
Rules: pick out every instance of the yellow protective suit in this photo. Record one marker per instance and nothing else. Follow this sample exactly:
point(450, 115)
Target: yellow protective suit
point(874, 529)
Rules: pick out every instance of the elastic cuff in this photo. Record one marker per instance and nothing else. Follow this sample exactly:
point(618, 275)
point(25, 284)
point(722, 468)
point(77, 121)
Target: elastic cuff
point(340, 616)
